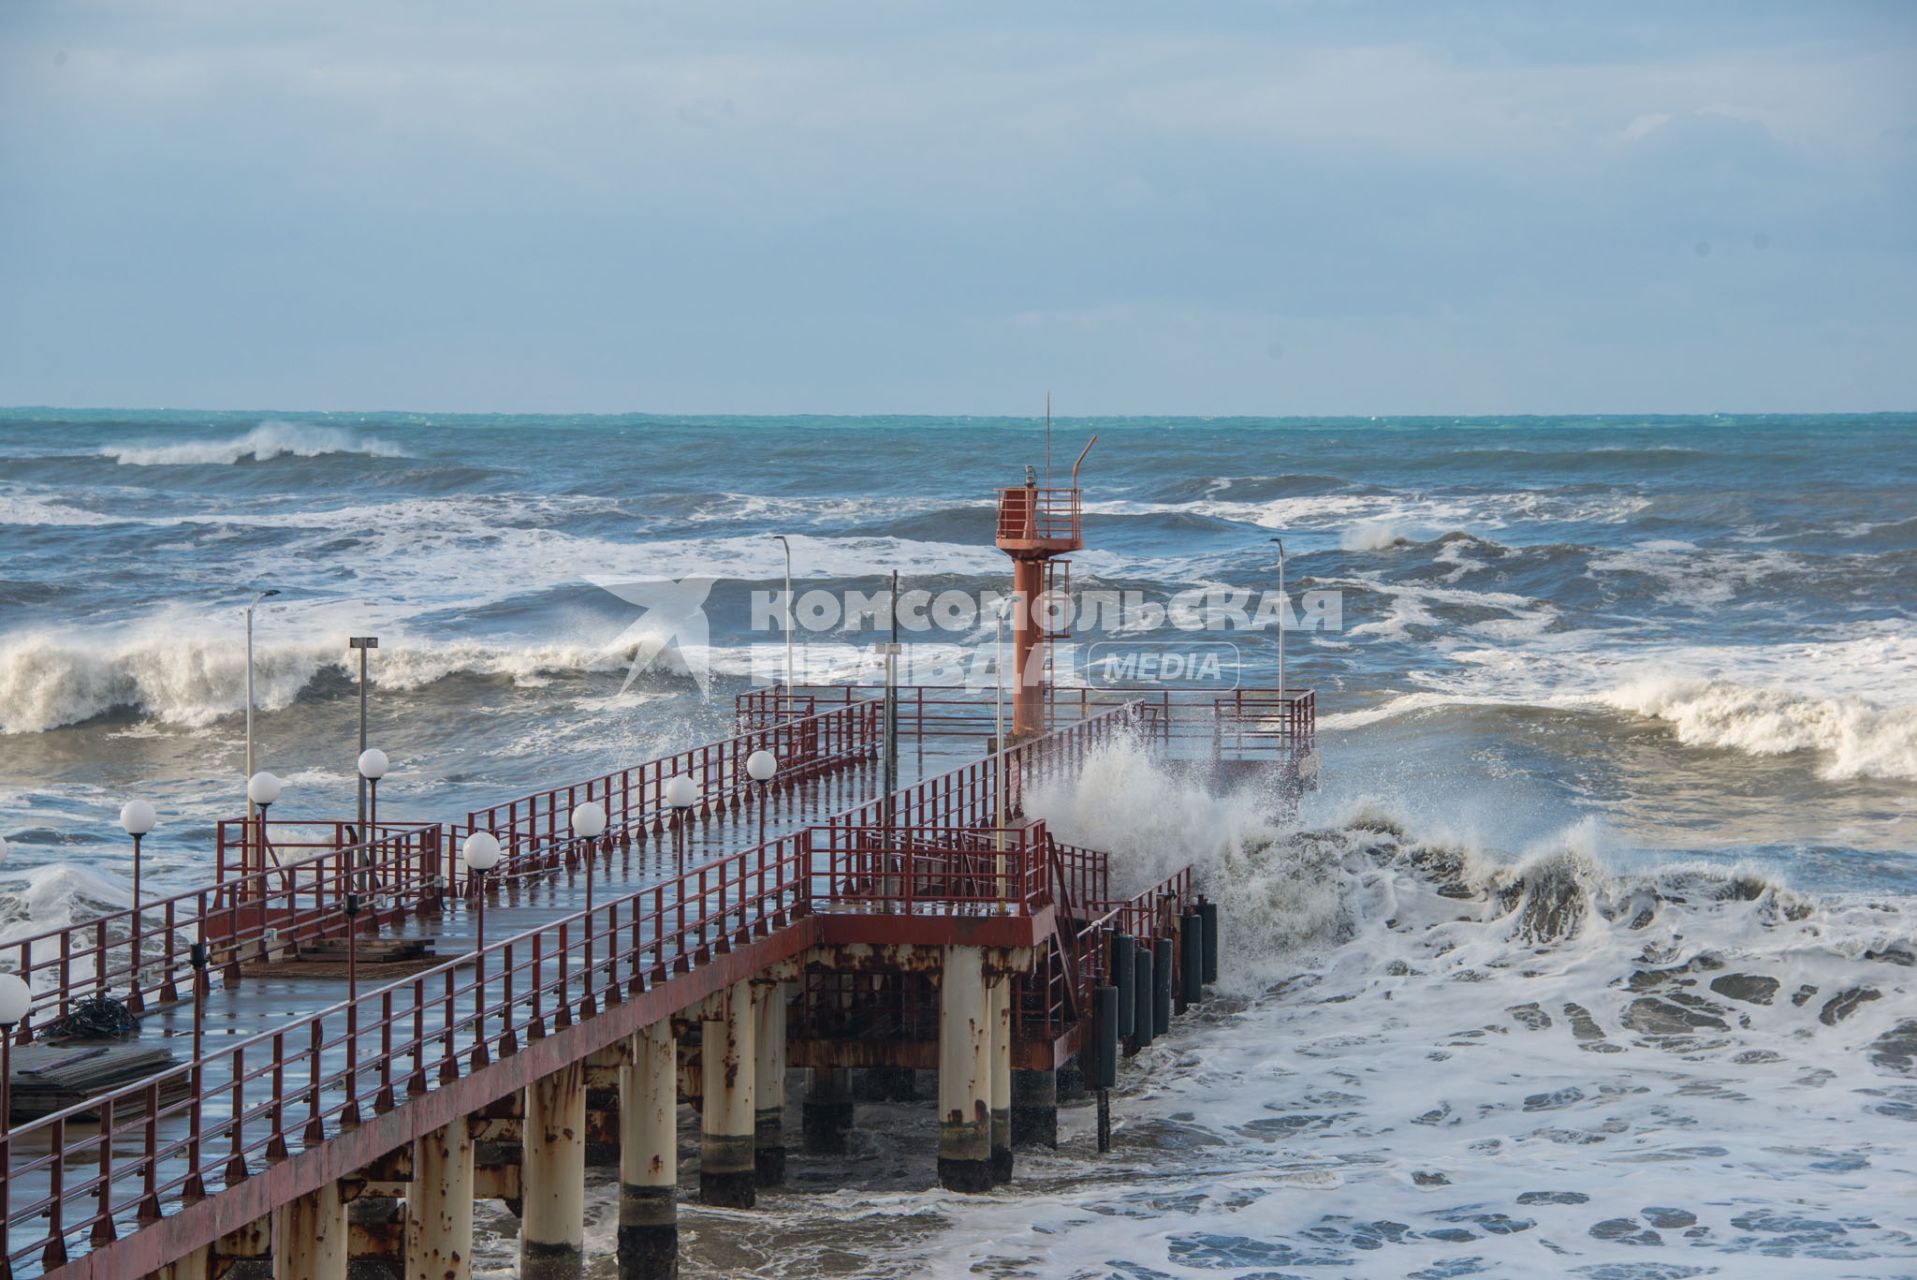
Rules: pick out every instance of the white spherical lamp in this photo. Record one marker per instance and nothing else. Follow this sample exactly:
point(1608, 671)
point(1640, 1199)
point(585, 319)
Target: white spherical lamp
point(373, 764)
point(681, 791)
point(263, 788)
point(761, 765)
point(137, 817)
point(14, 999)
point(481, 851)
point(589, 820)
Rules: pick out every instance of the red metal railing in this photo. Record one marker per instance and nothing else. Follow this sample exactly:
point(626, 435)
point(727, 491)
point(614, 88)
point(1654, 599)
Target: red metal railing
point(1027, 514)
point(761, 707)
point(289, 840)
point(1250, 723)
point(534, 831)
point(114, 1163)
point(1253, 720)
point(1056, 996)
point(87, 1174)
point(943, 869)
point(299, 901)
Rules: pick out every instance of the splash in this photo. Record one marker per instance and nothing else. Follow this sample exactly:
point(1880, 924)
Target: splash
point(271, 439)
point(1372, 535)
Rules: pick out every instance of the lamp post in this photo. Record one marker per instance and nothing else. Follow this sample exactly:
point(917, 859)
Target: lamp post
point(15, 999)
point(363, 644)
point(760, 766)
point(351, 1115)
point(248, 611)
point(372, 767)
point(262, 789)
point(1284, 604)
point(588, 824)
point(481, 851)
point(681, 793)
point(788, 620)
point(136, 819)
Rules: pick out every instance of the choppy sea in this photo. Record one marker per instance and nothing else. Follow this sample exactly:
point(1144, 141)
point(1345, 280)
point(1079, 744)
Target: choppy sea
point(1591, 956)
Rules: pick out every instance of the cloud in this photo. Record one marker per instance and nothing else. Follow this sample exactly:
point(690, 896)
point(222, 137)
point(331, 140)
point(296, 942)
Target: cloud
point(1644, 126)
point(852, 207)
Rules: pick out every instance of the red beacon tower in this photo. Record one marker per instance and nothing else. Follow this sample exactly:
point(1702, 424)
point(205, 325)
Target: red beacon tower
point(1035, 526)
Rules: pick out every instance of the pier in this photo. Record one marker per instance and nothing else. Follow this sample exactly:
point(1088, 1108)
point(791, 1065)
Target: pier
point(352, 1033)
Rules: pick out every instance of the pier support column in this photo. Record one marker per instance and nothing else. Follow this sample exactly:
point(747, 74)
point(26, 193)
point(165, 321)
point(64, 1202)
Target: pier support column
point(726, 1054)
point(999, 994)
point(826, 1116)
point(439, 1205)
point(649, 1156)
point(245, 1252)
point(768, 1072)
point(310, 1233)
point(552, 1177)
point(1035, 1108)
point(192, 1266)
point(965, 1070)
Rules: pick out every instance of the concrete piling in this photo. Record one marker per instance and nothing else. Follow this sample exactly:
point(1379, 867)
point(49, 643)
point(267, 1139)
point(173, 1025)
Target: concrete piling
point(244, 1253)
point(310, 1236)
point(439, 1205)
point(1034, 1109)
point(727, 1172)
point(826, 1115)
point(649, 1156)
point(768, 1070)
point(965, 1068)
point(552, 1229)
point(1000, 998)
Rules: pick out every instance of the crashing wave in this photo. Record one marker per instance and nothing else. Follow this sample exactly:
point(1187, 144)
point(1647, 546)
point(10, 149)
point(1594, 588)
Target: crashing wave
point(271, 439)
point(1861, 739)
point(52, 679)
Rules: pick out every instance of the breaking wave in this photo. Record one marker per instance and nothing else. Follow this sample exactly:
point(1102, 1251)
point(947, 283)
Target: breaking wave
point(271, 439)
point(1857, 738)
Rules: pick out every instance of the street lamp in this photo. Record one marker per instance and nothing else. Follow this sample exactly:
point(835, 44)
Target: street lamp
point(262, 789)
point(481, 851)
point(760, 766)
point(1284, 603)
point(372, 767)
point(15, 999)
point(588, 824)
point(363, 644)
point(136, 818)
point(248, 611)
point(788, 620)
point(681, 793)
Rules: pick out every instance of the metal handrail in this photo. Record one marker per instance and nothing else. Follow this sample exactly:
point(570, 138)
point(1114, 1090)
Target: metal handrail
point(299, 900)
point(534, 830)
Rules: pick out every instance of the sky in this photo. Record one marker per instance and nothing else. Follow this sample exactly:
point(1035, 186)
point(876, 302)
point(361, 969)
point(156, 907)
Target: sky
point(1304, 207)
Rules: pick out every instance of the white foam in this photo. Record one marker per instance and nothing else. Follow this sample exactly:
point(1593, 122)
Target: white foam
point(271, 439)
point(30, 510)
point(1857, 738)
